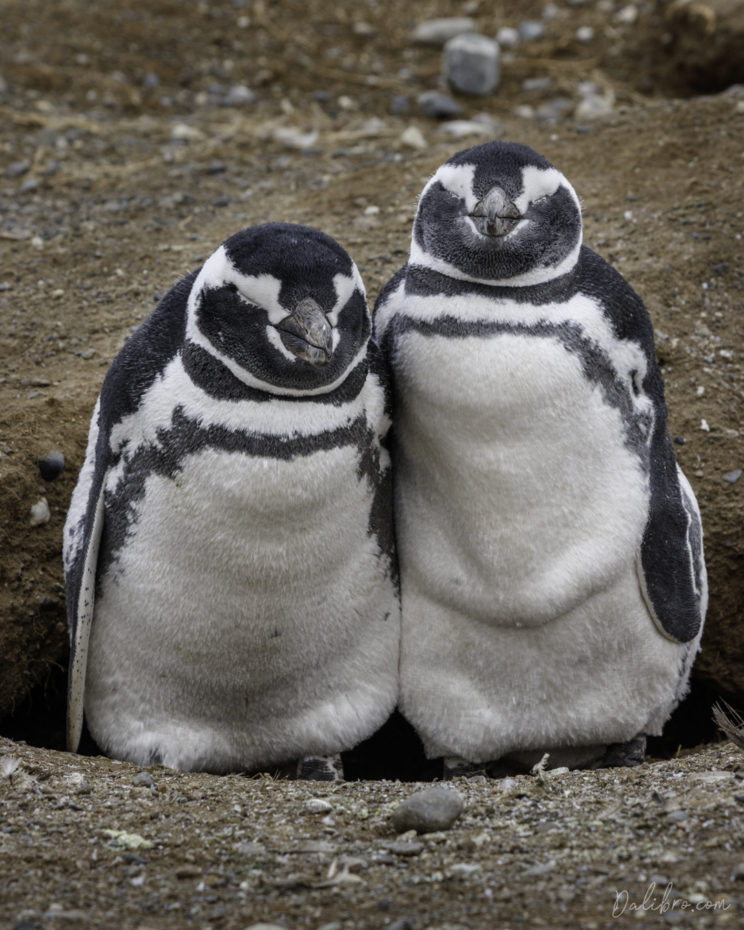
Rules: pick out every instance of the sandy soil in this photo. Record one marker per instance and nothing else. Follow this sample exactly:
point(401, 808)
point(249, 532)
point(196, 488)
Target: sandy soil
point(122, 168)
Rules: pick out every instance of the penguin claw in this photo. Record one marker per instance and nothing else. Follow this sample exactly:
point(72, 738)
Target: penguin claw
point(320, 768)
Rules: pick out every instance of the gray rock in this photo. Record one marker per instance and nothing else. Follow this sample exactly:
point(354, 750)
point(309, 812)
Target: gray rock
point(17, 168)
point(399, 105)
point(51, 465)
point(593, 106)
point(429, 810)
point(439, 106)
point(439, 31)
point(472, 64)
point(143, 780)
point(40, 513)
point(732, 476)
point(238, 95)
point(531, 29)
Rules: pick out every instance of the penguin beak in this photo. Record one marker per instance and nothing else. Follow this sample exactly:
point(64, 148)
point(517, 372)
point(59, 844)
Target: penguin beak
point(495, 215)
point(307, 333)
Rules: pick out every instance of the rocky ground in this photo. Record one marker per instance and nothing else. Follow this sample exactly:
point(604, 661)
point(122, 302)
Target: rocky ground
point(133, 141)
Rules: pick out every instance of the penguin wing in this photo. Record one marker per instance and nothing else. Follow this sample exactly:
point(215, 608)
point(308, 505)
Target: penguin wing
point(670, 565)
point(132, 372)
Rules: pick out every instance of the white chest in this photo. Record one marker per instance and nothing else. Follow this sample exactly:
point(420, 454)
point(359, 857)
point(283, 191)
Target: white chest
point(517, 492)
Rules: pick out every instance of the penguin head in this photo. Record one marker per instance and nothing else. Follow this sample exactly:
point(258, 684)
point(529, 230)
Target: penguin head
point(283, 307)
point(498, 213)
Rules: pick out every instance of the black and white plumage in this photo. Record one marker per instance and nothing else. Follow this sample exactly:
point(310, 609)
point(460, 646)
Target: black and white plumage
point(550, 549)
point(231, 585)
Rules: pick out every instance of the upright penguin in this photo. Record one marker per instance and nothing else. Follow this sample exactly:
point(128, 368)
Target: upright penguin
point(550, 549)
point(231, 585)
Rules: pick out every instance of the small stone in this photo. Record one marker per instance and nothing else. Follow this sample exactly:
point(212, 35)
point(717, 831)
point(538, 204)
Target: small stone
point(585, 33)
point(399, 105)
point(439, 106)
point(51, 465)
point(593, 106)
point(472, 64)
point(628, 15)
point(404, 847)
point(460, 128)
point(680, 440)
point(507, 37)
point(537, 85)
point(704, 425)
point(439, 31)
point(295, 138)
point(732, 476)
point(318, 806)
point(40, 512)
point(238, 95)
point(143, 780)
point(17, 169)
point(405, 923)
point(531, 30)
point(428, 810)
point(413, 138)
point(737, 874)
point(265, 927)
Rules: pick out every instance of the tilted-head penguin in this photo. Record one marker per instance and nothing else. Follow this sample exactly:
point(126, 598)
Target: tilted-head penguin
point(231, 585)
point(550, 549)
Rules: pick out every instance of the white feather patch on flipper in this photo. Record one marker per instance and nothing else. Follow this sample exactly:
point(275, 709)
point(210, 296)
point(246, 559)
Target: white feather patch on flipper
point(83, 623)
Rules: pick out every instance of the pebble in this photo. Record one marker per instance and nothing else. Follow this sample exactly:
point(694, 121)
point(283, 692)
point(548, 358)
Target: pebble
point(413, 138)
point(472, 64)
point(399, 105)
point(238, 95)
point(530, 30)
point(428, 810)
point(537, 85)
point(404, 847)
point(143, 780)
point(738, 873)
point(585, 33)
point(460, 128)
point(508, 37)
point(17, 168)
point(593, 106)
point(40, 512)
point(266, 927)
point(732, 476)
point(439, 31)
point(318, 806)
point(295, 138)
point(51, 465)
point(439, 106)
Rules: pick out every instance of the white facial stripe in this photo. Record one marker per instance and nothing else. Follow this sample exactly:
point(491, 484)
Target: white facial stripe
point(345, 286)
point(537, 183)
point(459, 180)
point(275, 340)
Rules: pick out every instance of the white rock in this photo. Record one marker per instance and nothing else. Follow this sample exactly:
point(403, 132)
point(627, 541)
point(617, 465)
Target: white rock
point(413, 138)
point(40, 512)
point(318, 806)
point(295, 138)
point(439, 31)
point(593, 106)
point(585, 33)
point(459, 128)
point(508, 37)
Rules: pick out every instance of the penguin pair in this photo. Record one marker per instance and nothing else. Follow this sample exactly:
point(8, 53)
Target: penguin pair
point(229, 552)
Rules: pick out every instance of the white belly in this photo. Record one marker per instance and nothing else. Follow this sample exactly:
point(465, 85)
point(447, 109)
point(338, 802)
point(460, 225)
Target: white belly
point(247, 619)
point(520, 513)
point(516, 496)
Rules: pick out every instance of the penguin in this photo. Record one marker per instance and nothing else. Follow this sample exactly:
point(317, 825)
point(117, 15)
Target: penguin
point(550, 552)
point(230, 568)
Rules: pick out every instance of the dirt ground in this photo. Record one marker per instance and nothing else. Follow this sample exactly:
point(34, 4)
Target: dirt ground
point(129, 152)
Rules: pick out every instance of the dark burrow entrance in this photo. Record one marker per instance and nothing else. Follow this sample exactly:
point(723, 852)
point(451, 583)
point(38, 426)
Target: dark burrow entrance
point(394, 752)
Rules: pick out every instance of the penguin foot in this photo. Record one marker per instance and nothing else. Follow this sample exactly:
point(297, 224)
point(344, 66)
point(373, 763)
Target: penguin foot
point(456, 767)
point(320, 768)
point(631, 753)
